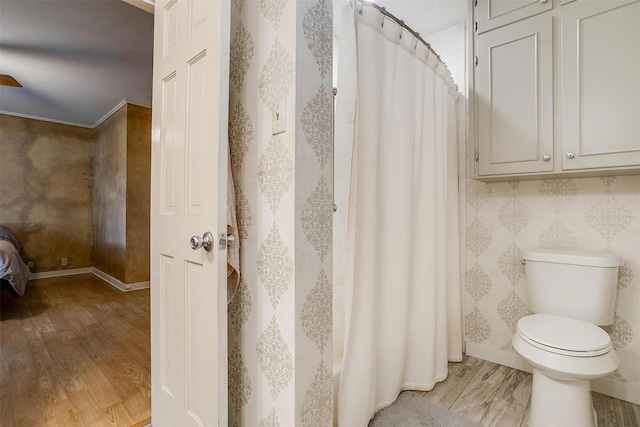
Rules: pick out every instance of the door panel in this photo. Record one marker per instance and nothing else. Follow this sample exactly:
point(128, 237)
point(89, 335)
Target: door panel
point(167, 323)
point(496, 13)
point(514, 98)
point(600, 85)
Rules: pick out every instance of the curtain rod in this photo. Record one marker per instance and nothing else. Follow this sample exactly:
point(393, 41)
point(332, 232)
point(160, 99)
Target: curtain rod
point(400, 22)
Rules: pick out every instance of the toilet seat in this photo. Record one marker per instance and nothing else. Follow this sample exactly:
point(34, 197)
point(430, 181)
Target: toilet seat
point(564, 336)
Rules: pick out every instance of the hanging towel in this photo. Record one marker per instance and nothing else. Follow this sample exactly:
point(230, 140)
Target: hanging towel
point(233, 251)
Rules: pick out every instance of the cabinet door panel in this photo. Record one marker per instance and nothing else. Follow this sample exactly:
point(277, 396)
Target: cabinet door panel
point(496, 13)
point(600, 85)
point(514, 98)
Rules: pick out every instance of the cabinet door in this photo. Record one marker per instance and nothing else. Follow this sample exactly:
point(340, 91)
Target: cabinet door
point(601, 85)
point(496, 13)
point(514, 98)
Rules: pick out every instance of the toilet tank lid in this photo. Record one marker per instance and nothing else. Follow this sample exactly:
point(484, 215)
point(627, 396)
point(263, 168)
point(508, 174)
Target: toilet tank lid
point(584, 257)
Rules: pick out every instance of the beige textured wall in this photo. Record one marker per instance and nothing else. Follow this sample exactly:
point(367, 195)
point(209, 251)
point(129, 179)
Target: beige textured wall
point(280, 352)
point(46, 190)
point(110, 195)
point(138, 193)
point(122, 173)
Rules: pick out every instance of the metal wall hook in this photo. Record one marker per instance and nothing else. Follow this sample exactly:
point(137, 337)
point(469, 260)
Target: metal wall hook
point(384, 11)
point(401, 27)
point(417, 40)
point(361, 6)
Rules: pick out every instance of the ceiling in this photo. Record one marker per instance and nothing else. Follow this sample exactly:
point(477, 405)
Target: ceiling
point(423, 16)
point(76, 59)
point(428, 16)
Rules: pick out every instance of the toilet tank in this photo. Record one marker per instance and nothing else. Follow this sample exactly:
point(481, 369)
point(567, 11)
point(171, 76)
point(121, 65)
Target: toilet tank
point(576, 284)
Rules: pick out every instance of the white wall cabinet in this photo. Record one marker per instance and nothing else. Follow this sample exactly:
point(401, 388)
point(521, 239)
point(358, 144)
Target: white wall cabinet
point(557, 92)
point(496, 13)
point(601, 85)
point(514, 98)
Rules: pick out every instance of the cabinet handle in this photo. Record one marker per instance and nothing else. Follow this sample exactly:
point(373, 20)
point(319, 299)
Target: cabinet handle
point(570, 155)
point(546, 157)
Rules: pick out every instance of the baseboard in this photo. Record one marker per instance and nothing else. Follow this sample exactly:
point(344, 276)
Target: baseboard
point(500, 357)
point(60, 273)
point(124, 287)
point(144, 423)
point(622, 391)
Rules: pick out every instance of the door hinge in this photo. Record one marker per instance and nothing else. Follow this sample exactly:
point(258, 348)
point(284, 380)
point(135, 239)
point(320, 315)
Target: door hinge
point(476, 26)
point(475, 3)
point(476, 61)
point(477, 155)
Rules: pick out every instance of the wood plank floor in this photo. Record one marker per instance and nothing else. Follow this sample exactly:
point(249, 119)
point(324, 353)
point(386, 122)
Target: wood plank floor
point(74, 351)
point(494, 395)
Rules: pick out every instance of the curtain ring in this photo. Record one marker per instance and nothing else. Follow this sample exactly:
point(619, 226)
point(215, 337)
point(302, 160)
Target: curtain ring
point(417, 40)
point(384, 14)
point(401, 27)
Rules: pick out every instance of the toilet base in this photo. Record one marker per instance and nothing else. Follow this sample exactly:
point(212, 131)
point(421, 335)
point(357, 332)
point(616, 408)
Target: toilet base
point(557, 402)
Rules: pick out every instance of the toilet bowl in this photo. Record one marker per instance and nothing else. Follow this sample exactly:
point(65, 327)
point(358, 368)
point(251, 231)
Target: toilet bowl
point(565, 348)
point(571, 293)
point(565, 354)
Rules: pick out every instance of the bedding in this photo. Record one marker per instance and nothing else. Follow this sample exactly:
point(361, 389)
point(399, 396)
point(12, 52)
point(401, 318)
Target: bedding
point(12, 267)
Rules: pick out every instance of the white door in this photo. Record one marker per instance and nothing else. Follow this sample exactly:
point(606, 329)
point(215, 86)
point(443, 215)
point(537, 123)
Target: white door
point(188, 198)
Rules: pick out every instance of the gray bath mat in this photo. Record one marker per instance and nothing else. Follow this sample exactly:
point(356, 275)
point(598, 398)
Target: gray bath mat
point(411, 410)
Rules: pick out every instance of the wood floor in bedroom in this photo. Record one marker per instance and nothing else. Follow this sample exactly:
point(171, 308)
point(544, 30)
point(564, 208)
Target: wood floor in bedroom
point(74, 351)
point(495, 395)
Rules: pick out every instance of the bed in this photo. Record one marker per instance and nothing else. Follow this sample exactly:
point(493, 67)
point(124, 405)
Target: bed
point(12, 268)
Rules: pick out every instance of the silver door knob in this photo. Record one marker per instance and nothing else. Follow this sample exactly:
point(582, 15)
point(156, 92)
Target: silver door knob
point(570, 155)
point(546, 157)
point(206, 242)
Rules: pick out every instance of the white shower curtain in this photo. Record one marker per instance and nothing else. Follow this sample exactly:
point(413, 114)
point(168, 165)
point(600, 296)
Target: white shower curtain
point(402, 282)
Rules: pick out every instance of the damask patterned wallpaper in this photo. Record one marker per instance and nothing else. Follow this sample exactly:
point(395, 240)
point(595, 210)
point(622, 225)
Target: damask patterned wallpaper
point(280, 320)
point(582, 213)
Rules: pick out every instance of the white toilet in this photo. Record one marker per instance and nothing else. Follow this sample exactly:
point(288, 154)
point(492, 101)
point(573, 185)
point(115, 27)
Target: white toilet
point(571, 292)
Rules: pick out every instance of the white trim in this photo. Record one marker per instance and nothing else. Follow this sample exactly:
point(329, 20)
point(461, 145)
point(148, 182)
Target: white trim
point(622, 391)
point(95, 125)
point(44, 119)
point(138, 104)
point(60, 273)
point(124, 287)
point(118, 106)
point(146, 5)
